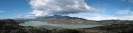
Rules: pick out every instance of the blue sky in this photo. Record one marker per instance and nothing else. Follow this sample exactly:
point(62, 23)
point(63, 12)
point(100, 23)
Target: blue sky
point(106, 9)
point(12, 8)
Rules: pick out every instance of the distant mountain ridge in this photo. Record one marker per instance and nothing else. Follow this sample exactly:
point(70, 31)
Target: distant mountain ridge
point(59, 19)
point(60, 16)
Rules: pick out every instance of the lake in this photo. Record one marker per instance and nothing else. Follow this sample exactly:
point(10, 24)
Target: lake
point(46, 25)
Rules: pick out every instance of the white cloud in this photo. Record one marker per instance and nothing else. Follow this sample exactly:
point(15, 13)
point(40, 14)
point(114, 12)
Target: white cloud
point(93, 16)
point(126, 11)
point(131, 1)
point(72, 7)
point(132, 13)
point(97, 16)
point(2, 11)
point(52, 7)
point(128, 15)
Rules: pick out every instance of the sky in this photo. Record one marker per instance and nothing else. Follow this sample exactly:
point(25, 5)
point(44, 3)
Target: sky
point(87, 9)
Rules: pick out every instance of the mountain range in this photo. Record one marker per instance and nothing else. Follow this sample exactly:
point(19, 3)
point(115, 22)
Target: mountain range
point(59, 19)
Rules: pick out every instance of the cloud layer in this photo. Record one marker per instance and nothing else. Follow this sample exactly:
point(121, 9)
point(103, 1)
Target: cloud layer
point(2, 11)
point(131, 1)
point(60, 7)
point(127, 14)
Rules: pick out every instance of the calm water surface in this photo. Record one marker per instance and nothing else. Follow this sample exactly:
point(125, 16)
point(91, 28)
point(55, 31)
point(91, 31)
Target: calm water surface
point(46, 25)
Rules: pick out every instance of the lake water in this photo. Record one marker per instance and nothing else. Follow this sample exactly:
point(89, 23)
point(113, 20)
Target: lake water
point(46, 25)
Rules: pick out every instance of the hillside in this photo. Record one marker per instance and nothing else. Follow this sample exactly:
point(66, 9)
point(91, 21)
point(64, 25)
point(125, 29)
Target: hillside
point(8, 26)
